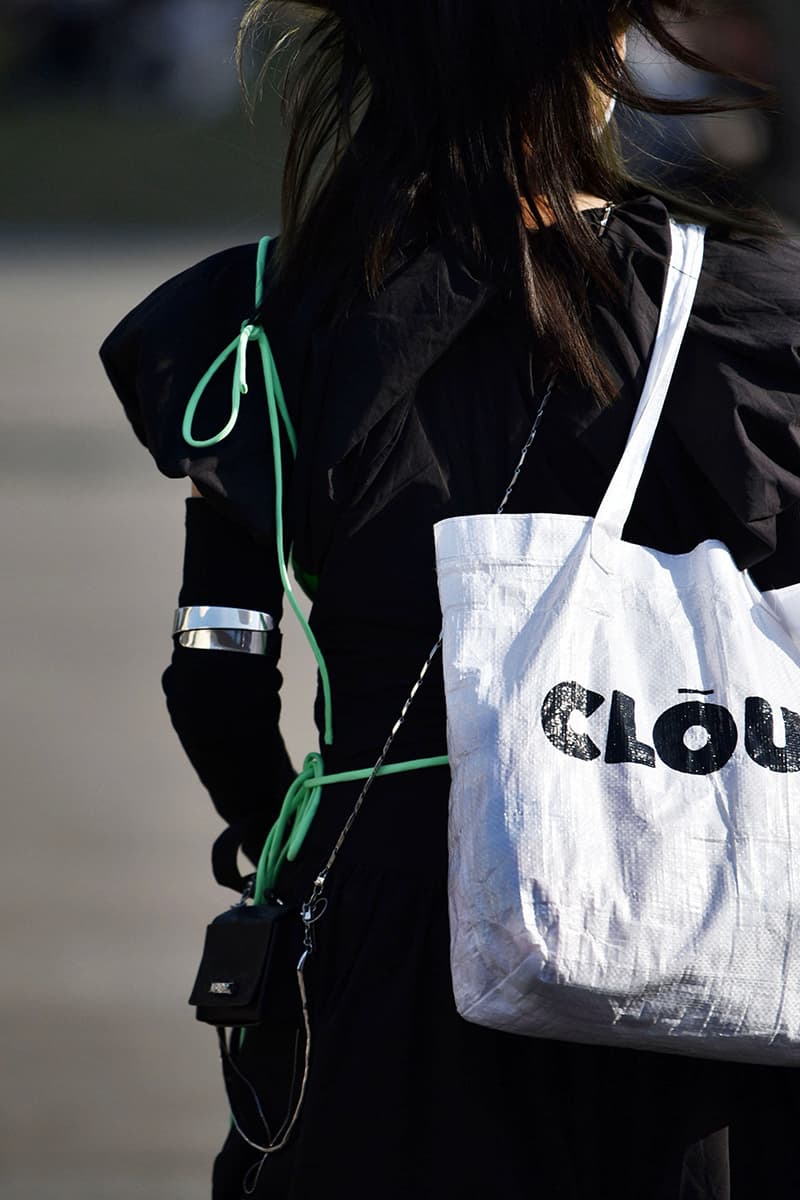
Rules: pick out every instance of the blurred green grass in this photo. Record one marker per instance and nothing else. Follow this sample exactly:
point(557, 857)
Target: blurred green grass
point(82, 166)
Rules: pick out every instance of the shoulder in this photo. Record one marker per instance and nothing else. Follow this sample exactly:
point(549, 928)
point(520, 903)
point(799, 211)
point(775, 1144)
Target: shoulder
point(747, 310)
point(179, 322)
point(735, 401)
point(747, 305)
point(749, 292)
point(752, 271)
point(765, 267)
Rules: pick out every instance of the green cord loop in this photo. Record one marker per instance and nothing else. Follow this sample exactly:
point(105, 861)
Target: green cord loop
point(197, 395)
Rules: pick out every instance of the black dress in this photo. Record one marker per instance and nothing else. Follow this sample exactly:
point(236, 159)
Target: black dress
point(412, 410)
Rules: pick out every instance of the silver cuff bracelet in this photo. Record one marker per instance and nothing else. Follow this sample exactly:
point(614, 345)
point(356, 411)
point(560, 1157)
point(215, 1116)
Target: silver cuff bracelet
point(207, 627)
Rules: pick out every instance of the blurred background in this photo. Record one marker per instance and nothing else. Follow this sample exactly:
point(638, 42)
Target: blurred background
point(126, 157)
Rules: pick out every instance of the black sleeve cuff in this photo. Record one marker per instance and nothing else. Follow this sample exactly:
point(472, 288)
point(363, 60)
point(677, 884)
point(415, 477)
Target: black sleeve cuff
point(225, 707)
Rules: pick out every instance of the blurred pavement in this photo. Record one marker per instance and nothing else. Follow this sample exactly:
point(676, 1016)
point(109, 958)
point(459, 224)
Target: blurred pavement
point(109, 1089)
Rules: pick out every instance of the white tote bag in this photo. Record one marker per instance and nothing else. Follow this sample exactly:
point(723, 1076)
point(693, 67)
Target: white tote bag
point(624, 740)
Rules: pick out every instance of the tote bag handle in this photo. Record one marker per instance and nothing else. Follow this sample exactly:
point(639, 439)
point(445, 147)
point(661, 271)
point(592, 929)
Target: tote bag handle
point(686, 261)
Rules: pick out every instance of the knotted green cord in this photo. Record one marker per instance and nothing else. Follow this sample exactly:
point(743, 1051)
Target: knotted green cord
point(302, 799)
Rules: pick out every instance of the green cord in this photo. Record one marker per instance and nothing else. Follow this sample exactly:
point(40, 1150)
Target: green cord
point(270, 378)
point(276, 406)
point(261, 270)
point(302, 799)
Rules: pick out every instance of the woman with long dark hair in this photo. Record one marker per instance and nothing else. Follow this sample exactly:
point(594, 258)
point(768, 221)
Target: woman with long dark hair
point(459, 236)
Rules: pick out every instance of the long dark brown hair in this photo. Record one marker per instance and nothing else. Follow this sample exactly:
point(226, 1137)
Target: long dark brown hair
point(455, 118)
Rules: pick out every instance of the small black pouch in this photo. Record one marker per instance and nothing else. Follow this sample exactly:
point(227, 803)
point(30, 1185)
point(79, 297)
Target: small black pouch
point(232, 985)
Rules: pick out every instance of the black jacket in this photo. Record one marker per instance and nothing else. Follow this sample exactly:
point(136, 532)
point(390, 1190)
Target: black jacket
point(414, 409)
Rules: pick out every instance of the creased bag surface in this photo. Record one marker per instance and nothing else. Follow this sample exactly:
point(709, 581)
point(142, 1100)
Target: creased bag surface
point(624, 740)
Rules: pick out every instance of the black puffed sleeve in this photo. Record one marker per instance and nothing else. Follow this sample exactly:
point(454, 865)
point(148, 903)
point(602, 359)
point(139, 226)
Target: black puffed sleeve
point(225, 707)
point(156, 356)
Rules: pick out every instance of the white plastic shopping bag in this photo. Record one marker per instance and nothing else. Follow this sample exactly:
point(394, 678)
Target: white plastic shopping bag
point(624, 741)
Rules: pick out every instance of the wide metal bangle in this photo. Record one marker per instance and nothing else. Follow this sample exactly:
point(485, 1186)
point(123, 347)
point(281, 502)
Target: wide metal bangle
point(211, 627)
